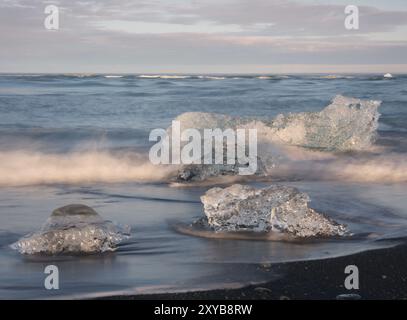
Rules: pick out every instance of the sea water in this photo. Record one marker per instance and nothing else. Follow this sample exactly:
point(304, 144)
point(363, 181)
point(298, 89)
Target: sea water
point(84, 139)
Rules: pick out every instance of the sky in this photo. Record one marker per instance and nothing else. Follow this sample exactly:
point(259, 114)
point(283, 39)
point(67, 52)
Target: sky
point(203, 36)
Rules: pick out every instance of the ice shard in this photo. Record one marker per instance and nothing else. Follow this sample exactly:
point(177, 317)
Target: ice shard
point(201, 172)
point(73, 229)
point(272, 209)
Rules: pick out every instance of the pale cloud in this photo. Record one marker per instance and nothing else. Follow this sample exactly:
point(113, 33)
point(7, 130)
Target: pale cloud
point(136, 35)
point(297, 18)
point(139, 27)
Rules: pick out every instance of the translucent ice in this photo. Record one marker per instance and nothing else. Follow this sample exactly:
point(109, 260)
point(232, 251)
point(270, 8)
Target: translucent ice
point(200, 172)
point(273, 209)
point(73, 229)
point(346, 124)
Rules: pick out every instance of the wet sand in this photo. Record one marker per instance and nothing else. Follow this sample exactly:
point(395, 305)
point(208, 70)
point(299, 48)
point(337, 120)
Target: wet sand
point(382, 275)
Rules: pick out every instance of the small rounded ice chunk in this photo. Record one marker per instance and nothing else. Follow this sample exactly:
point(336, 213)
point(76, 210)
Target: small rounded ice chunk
point(73, 229)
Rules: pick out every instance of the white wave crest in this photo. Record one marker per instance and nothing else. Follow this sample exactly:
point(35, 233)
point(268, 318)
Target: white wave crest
point(34, 167)
point(158, 76)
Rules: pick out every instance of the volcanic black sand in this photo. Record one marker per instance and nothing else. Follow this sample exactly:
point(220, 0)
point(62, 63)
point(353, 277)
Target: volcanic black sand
point(382, 275)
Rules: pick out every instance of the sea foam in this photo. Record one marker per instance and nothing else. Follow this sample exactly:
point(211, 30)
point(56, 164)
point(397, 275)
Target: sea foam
point(30, 167)
point(296, 144)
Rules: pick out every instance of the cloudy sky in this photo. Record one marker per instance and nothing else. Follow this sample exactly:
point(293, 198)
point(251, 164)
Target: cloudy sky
point(197, 36)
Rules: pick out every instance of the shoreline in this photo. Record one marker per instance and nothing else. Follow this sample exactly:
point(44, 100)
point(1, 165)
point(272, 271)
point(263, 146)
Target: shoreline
point(382, 276)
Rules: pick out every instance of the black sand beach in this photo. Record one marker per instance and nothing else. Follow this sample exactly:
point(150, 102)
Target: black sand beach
point(382, 273)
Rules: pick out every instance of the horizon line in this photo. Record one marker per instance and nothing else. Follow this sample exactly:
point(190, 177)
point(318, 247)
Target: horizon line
point(231, 69)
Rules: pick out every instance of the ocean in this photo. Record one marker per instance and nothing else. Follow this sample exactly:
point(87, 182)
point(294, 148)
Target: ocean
point(83, 138)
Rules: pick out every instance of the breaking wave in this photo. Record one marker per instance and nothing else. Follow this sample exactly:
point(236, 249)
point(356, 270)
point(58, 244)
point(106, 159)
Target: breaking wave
point(383, 168)
point(336, 143)
point(31, 167)
point(212, 77)
point(158, 76)
point(113, 76)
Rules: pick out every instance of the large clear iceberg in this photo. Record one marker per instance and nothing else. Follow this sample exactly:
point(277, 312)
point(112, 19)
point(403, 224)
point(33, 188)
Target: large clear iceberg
point(273, 209)
point(347, 124)
point(73, 229)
